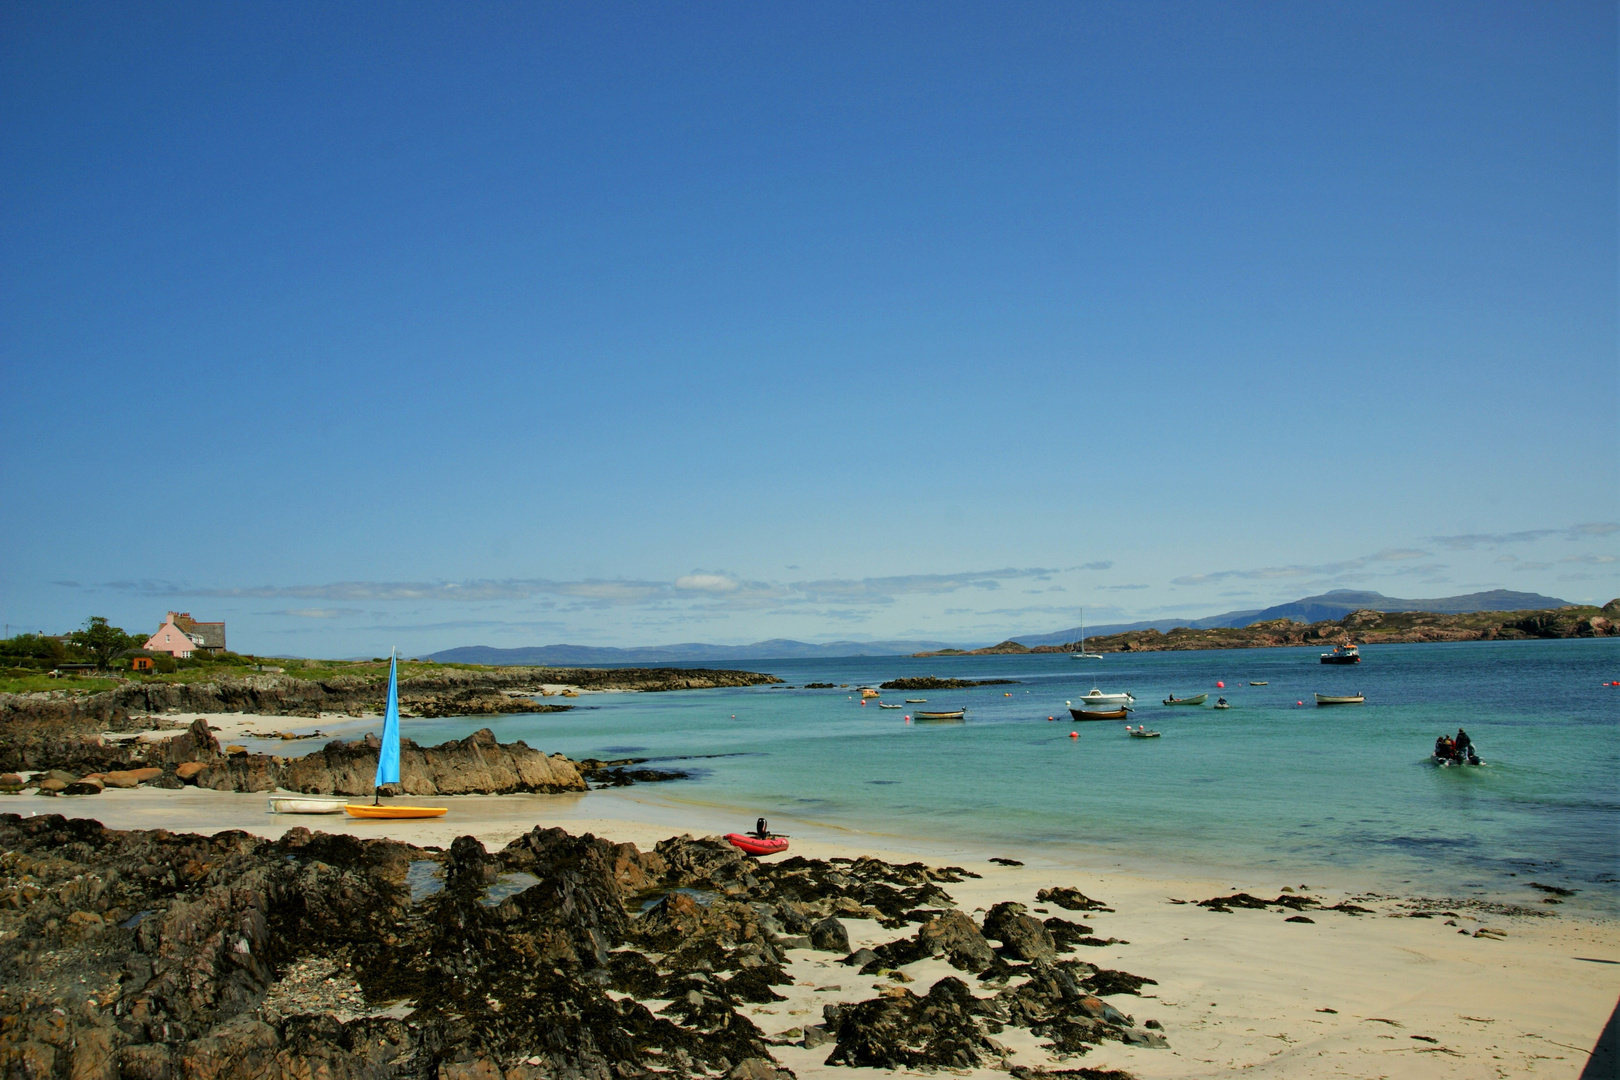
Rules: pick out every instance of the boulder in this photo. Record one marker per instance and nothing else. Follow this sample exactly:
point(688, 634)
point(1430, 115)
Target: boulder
point(196, 743)
point(187, 771)
point(240, 772)
point(1022, 936)
point(758, 1068)
point(87, 786)
point(829, 935)
point(954, 934)
point(475, 765)
point(128, 778)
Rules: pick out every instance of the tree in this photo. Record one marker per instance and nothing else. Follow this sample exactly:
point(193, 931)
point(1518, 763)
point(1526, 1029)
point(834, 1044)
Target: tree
point(103, 641)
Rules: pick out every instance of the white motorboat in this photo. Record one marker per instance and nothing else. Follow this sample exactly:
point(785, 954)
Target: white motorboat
point(1096, 698)
point(1082, 654)
point(284, 804)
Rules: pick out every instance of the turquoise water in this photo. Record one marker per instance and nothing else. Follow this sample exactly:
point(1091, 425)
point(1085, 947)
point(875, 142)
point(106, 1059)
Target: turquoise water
point(1267, 785)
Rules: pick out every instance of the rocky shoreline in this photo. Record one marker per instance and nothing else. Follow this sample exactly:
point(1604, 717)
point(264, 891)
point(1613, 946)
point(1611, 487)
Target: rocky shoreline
point(929, 682)
point(477, 764)
point(1359, 627)
point(163, 956)
point(442, 692)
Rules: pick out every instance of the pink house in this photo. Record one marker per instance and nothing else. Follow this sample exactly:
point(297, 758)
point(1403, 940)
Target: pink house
point(180, 634)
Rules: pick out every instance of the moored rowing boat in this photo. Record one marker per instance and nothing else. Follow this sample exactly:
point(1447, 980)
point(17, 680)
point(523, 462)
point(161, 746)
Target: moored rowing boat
point(283, 805)
point(1100, 714)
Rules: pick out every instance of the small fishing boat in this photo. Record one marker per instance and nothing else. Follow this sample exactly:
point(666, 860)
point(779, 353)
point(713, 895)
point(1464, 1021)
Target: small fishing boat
point(1095, 697)
point(388, 763)
point(759, 842)
point(280, 804)
point(868, 692)
point(1261, 682)
point(1221, 703)
point(952, 715)
point(881, 705)
point(1342, 654)
point(916, 701)
point(1341, 699)
point(1196, 699)
point(1140, 732)
point(1100, 714)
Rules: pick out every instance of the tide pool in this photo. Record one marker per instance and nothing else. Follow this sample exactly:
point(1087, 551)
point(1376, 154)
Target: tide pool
point(1269, 785)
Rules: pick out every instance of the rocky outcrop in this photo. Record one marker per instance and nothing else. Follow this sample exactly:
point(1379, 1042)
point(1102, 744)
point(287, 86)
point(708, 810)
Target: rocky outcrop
point(161, 956)
point(477, 764)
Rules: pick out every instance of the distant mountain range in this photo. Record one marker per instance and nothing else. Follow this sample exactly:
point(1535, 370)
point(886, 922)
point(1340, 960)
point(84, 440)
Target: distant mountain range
point(686, 653)
point(1329, 605)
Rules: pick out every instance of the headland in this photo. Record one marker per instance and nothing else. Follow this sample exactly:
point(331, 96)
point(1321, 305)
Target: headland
point(1364, 627)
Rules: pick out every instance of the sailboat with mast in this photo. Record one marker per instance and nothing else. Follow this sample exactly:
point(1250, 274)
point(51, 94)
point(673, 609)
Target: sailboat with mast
point(388, 763)
point(1082, 654)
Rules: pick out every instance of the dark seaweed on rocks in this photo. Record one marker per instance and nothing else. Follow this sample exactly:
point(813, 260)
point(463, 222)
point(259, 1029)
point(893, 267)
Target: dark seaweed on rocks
point(1292, 901)
point(147, 955)
point(1070, 899)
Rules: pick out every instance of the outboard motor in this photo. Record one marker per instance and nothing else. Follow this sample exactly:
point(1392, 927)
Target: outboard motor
point(759, 829)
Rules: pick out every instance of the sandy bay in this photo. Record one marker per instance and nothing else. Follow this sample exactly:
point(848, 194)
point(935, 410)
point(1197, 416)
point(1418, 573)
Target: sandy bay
point(1238, 993)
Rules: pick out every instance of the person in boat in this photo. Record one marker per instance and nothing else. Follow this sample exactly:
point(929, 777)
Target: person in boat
point(1220, 701)
point(1464, 745)
point(1444, 749)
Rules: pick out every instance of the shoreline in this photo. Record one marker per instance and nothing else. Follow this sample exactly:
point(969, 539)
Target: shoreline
point(707, 812)
point(1238, 992)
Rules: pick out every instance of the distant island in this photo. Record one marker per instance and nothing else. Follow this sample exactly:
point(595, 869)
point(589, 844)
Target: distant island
point(1364, 627)
point(1307, 610)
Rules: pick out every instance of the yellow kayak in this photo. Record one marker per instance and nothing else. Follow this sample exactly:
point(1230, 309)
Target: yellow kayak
point(364, 811)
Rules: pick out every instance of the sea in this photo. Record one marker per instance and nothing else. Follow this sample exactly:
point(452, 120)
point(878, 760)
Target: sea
point(1274, 789)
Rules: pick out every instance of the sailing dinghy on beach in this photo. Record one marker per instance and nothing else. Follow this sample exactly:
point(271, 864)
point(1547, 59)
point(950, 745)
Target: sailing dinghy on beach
point(388, 763)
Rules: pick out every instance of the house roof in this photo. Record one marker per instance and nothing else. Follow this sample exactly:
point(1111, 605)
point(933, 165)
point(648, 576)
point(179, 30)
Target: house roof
point(207, 635)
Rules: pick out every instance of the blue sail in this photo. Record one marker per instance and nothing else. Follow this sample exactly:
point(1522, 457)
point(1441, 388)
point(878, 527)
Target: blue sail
point(388, 755)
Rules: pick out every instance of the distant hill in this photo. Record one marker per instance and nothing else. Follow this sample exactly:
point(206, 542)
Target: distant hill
point(1310, 609)
point(687, 652)
point(1328, 605)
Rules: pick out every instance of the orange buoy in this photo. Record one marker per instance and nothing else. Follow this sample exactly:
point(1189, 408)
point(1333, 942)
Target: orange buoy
point(1051, 718)
point(1219, 685)
point(1074, 734)
point(1299, 703)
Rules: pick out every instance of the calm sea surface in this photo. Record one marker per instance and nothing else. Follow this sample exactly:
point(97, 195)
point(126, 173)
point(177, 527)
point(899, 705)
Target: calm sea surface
point(1268, 784)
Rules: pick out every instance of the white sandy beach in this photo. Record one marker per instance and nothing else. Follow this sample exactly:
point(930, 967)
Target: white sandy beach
point(1240, 993)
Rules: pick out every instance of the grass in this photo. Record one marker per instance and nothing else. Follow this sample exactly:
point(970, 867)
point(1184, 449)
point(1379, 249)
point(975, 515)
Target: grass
point(22, 681)
point(14, 683)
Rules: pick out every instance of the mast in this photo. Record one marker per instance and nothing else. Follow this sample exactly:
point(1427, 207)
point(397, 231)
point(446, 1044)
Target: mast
point(388, 752)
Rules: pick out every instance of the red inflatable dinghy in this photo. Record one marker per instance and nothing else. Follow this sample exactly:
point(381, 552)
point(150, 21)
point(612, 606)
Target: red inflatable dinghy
point(754, 845)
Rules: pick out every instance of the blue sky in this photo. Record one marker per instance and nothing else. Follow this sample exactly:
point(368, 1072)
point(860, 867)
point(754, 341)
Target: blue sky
point(430, 325)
